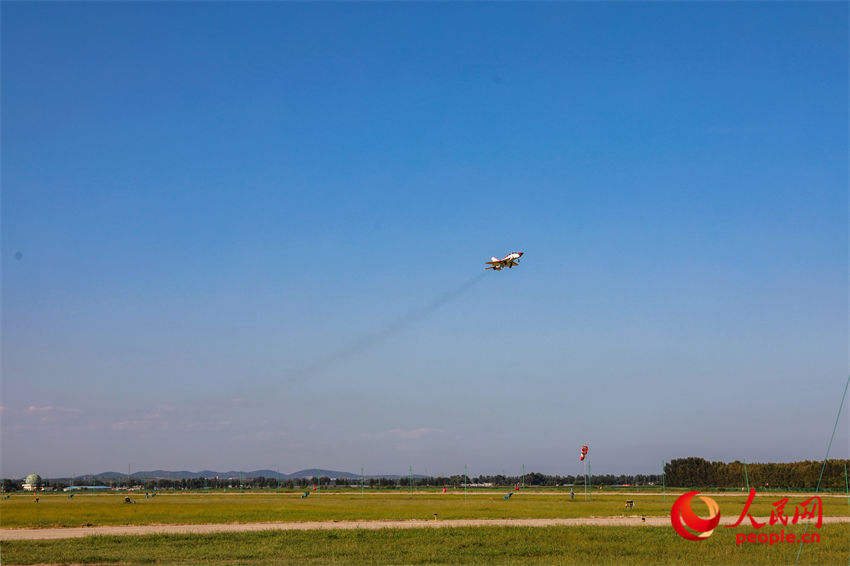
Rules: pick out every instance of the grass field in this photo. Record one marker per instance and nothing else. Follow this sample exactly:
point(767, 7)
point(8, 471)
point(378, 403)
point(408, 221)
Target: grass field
point(488, 545)
point(463, 545)
point(109, 509)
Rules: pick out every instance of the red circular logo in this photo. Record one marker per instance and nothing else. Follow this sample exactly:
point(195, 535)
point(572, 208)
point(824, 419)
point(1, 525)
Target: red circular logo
point(683, 513)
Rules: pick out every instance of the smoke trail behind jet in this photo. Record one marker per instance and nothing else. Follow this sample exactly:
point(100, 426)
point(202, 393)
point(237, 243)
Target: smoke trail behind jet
point(397, 326)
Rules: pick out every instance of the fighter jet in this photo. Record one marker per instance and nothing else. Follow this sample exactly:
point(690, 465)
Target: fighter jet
point(508, 261)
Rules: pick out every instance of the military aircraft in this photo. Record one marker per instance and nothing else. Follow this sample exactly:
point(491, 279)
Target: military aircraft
point(509, 261)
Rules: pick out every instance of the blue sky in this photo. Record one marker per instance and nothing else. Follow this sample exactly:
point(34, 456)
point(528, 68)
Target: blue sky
point(251, 235)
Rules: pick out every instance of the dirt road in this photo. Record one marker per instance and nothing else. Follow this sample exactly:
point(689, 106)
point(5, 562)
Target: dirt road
point(76, 532)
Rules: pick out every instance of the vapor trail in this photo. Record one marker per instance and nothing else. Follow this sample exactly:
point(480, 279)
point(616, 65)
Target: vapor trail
point(398, 325)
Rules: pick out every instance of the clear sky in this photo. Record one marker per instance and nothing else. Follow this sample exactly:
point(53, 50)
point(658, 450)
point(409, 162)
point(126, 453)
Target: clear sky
point(242, 236)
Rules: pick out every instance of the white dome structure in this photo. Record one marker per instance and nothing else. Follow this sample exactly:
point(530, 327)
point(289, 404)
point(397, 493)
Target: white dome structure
point(32, 483)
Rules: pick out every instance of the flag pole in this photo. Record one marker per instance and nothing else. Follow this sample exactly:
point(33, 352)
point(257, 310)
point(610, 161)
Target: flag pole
point(585, 479)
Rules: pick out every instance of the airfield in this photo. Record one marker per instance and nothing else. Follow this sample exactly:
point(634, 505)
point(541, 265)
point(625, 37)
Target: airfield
point(348, 526)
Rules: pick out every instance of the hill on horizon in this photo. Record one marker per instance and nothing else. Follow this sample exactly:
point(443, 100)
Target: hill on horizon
point(232, 474)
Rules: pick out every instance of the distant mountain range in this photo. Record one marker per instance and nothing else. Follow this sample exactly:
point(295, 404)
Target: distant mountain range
point(180, 475)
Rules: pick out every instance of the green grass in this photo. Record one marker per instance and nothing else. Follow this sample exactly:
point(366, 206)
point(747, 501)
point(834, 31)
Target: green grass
point(488, 545)
point(109, 509)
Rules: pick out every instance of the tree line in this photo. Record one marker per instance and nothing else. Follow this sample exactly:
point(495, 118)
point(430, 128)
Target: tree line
point(532, 479)
point(698, 472)
point(681, 472)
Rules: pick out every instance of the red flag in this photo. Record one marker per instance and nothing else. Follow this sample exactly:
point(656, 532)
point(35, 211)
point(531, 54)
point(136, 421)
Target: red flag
point(583, 453)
